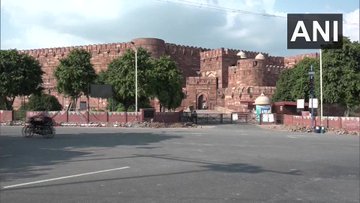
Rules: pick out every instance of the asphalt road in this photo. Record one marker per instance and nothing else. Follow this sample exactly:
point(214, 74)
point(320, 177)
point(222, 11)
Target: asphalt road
point(229, 163)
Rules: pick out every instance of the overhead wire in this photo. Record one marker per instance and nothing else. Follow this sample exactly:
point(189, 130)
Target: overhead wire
point(232, 10)
point(220, 8)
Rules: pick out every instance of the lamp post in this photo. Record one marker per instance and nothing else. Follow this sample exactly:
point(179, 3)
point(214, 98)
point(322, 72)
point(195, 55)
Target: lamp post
point(311, 100)
point(136, 78)
point(321, 89)
point(196, 92)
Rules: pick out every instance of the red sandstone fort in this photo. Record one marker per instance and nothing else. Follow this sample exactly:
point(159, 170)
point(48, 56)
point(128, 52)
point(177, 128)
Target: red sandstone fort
point(215, 79)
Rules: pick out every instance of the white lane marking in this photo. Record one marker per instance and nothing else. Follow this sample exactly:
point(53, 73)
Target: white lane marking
point(293, 137)
point(187, 133)
point(191, 143)
point(64, 177)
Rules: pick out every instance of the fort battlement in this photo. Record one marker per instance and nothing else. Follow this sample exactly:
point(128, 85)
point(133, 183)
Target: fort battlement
point(200, 81)
point(183, 50)
point(268, 68)
point(292, 60)
point(275, 68)
point(223, 72)
point(94, 49)
point(212, 53)
point(222, 52)
point(275, 60)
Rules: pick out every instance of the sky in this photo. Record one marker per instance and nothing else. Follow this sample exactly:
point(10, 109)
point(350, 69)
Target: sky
point(253, 25)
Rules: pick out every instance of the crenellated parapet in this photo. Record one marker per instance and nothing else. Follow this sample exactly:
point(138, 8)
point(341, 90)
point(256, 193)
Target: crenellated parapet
point(275, 60)
point(222, 52)
point(94, 49)
point(291, 61)
point(174, 49)
point(274, 69)
point(200, 81)
point(216, 53)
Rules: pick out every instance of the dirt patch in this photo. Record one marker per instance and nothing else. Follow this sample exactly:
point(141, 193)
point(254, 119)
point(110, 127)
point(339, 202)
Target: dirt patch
point(309, 130)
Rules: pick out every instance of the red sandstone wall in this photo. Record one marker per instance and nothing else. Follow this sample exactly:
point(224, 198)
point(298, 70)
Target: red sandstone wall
point(218, 61)
point(81, 117)
point(241, 98)
point(197, 86)
point(291, 61)
point(49, 58)
point(187, 58)
point(6, 116)
point(155, 46)
point(249, 72)
point(347, 123)
point(167, 117)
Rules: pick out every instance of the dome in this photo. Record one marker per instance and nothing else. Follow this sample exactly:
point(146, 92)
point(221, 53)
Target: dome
point(262, 100)
point(260, 56)
point(241, 54)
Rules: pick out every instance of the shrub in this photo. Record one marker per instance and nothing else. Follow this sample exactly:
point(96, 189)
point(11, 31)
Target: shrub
point(43, 102)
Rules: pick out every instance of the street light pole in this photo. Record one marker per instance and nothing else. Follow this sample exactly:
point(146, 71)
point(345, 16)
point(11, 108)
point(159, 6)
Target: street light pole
point(136, 77)
point(311, 100)
point(136, 82)
point(321, 89)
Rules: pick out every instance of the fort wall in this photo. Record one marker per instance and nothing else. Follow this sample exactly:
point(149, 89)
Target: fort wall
point(221, 71)
point(186, 57)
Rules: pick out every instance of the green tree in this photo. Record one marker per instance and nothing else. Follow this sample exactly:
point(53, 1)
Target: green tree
point(121, 75)
point(20, 75)
point(341, 78)
point(43, 102)
point(167, 83)
point(283, 87)
point(294, 83)
point(74, 75)
point(341, 75)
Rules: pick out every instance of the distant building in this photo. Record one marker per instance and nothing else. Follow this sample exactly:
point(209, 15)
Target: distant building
point(220, 78)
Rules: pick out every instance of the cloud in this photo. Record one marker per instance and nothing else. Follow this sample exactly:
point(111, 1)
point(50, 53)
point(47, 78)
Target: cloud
point(351, 25)
point(40, 37)
point(47, 23)
point(83, 9)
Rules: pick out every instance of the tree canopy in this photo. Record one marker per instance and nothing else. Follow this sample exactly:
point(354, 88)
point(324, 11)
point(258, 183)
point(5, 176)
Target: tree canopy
point(20, 75)
point(121, 75)
point(341, 78)
point(43, 102)
point(167, 84)
point(341, 75)
point(294, 83)
point(156, 78)
point(74, 74)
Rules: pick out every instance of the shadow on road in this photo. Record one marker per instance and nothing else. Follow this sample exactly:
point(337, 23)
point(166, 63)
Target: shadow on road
point(203, 166)
point(23, 158)
point(225, 167)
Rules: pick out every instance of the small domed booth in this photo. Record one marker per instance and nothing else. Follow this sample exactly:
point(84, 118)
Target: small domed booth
point(263, 109)
point(260, 56)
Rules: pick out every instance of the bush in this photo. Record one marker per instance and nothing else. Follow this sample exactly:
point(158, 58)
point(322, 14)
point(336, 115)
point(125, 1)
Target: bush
point(43, 102)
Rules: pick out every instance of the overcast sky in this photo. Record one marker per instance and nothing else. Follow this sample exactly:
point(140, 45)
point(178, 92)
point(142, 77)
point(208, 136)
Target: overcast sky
point(238, 24)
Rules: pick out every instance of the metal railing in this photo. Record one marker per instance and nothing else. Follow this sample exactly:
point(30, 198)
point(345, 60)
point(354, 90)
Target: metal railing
point(215, 118)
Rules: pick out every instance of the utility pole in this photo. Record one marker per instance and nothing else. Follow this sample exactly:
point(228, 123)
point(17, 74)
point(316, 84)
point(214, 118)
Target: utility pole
point(311, 74)
point(136, 76)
